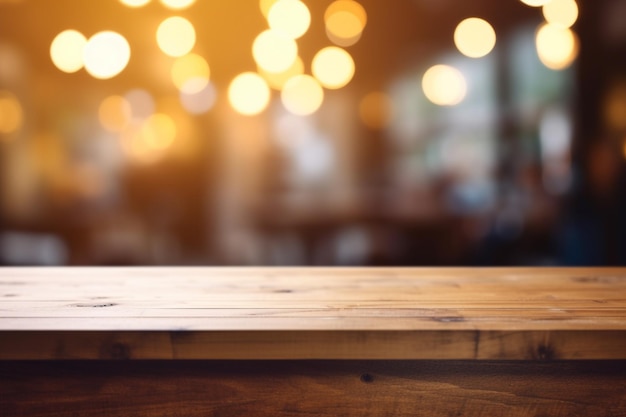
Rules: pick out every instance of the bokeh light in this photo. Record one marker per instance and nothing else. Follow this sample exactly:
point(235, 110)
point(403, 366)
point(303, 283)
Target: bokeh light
point(333, 67)
point(134, 3)
point(248, 93)
point(199, 102)
point(302, 95)
point(274, 51)
point(11, 113)
point(177, 4)
point(66, 50)
point(141, 103)
point(535, 3)
point(106, 54)
point(474, 37)
point(190, 73)
point(557, 47)
point(562, 13)
point(290, 16)
point(114, 113)
point(277, 80)
point(176, 36)
point(376, 110)
point(444, 85)
point(159, 131)
point(345, 21)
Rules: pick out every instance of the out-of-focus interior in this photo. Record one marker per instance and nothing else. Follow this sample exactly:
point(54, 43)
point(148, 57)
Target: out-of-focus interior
point(301, 132)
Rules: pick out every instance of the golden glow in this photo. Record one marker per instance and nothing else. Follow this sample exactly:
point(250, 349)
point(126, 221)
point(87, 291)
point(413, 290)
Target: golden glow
point(349, 6)
point(444, 85)
point(290, 16)
point(248, 93)
point(274, 51)
point(176, 36)
point(199, 102)
point(158, 131)
point(375, 110)
point(474, 37)
point(190, 73)
point(615, 107)
point(302, 95)
point(11, 114)
point(114, 113)
point(535, 3)
point(557, 47)
point(265, 6)
point(562, 13)
point(343, 28)
point(134, 3)
point(177, 4)
point(278, 80)
point(345, 21)
point(333, 67)
point(66, 50)
point(147, 141)
point(106, 54)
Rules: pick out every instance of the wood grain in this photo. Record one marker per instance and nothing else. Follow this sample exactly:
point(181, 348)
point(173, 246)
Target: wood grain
point(313, 388)
point(313, 313)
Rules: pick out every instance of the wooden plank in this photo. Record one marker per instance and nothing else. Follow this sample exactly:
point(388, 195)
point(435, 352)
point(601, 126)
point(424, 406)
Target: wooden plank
point(313, 388)
point(322, 313)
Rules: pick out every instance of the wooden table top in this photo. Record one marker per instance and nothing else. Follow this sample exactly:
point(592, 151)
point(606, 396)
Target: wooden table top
point(312, 313)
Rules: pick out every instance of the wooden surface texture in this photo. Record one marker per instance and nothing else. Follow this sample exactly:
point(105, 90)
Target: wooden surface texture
point(312, 313)
point(313, 388)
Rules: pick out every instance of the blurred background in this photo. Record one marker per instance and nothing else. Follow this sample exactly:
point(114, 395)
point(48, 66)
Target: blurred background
point(301, 132)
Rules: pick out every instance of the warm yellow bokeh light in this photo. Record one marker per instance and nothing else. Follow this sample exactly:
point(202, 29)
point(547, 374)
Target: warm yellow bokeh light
point(290, 16)
point(376, 110)
point(176, 36)
point(66, 50)
point(248, 93)
point(343, 28)
point(274, 51)
point(444, 85)
point(562, 13)
point(158, 131)
point(333, 67)
point(11, 113)
point(190, 73)
point(278, 80)
point(474, 37)
point(265, 6)
point(345, 21)
point(134, 3)
point(302, 95)
point(106, 54)
point(177, 4)
point(614, 107)
point(557, 47)
point(535, 3)
point(349, 6)
point(141, 103)
point(114, 113)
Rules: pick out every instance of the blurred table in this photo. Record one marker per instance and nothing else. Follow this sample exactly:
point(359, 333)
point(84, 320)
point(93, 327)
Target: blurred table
point(312, 341)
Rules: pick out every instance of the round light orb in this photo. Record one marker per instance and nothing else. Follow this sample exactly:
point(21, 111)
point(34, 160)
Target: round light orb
point(333, 67)
point(535, 3)
point(114, 113)
point(177, 4)
point(11, 113)
point(190, 73)
point(134, 3)
point(302, 95)
point(562, 13)
point(274, 51)
point(66, 50)
point(290, 16)
point(557, 47)
point(474, 37)
point(248, 93)
point(444, 85)
point(176, 36)
point(277, 80)
point(106, 54)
